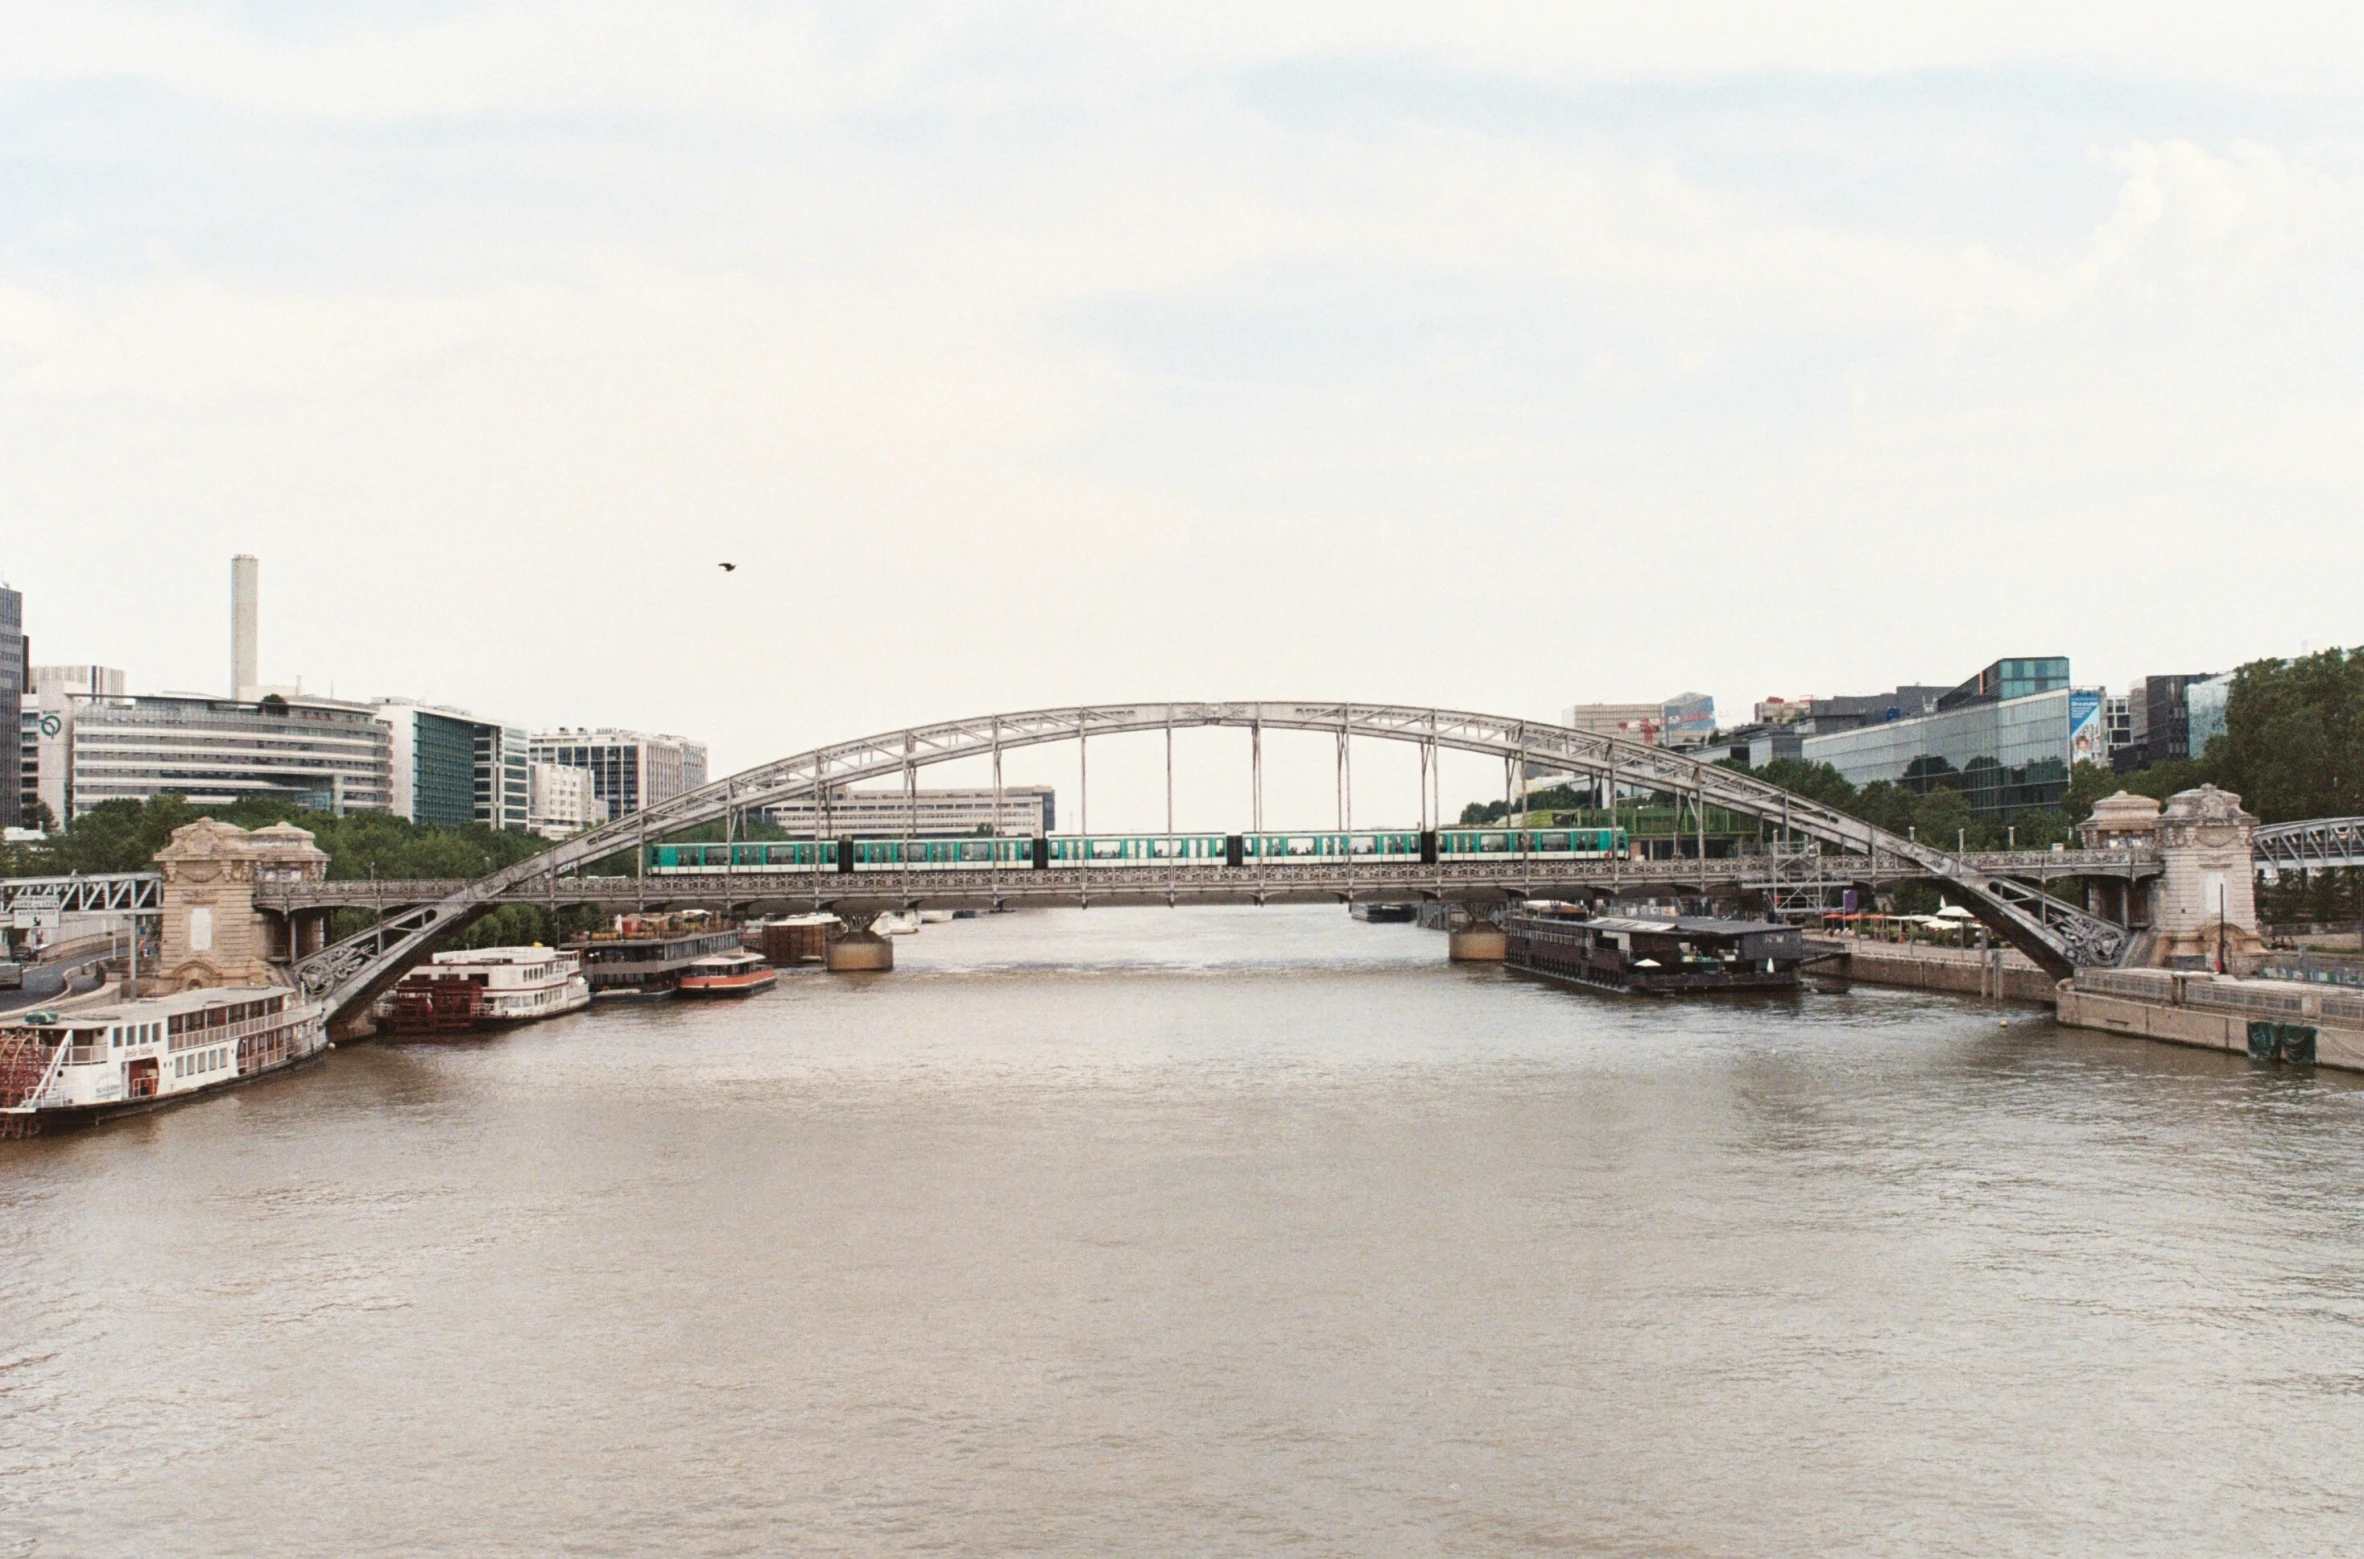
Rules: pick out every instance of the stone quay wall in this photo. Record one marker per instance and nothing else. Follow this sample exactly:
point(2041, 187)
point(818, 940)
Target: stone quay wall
point(1962, 971)
point(2214, 1013)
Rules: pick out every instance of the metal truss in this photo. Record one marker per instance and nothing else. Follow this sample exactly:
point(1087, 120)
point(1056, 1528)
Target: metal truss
point(2320, 844)
point(2053, 933)
point(2057, 935)
point(109, 893)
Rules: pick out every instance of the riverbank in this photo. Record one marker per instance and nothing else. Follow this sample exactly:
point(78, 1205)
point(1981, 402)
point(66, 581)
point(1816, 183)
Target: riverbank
point(1960, 971)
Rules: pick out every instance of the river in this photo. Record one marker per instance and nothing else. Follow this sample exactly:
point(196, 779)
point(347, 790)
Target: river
point(1202, 1232)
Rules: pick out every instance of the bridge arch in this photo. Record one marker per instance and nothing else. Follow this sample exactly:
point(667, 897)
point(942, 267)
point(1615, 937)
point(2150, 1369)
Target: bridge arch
point(2057, 935)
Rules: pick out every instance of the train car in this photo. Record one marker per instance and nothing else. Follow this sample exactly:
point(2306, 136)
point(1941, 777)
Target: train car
point(976, 852)
point(965, 852)
point(774, 855)
point(1136, 850)
point(1526, 844)
point(1389, 846)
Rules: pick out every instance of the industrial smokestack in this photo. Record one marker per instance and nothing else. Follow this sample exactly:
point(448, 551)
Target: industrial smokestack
point(245, 587)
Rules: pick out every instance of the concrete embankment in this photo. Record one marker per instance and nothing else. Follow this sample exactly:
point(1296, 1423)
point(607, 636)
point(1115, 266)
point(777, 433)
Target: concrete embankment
point(1963, 971)
point(2249, 1017)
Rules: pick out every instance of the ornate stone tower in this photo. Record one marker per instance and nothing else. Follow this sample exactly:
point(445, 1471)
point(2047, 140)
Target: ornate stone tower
point(2208, 887)
point(2122, 822)
point(213, 935)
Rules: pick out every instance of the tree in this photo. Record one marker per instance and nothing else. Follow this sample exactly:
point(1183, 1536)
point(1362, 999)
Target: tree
point(1817, 782)
point(2088, 783)
point(2293, 743)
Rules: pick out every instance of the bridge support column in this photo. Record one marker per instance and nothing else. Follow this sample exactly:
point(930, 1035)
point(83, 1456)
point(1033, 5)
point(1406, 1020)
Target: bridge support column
point(1476, 941)
point(859, 950)
point(212, 934)
point(2207, 900)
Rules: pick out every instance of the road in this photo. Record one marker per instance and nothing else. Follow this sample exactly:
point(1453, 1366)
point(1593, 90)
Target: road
point(45, 983)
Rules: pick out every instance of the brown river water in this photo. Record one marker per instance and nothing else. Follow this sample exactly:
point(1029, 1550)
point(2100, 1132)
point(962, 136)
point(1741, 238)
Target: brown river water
point(1202, 1233)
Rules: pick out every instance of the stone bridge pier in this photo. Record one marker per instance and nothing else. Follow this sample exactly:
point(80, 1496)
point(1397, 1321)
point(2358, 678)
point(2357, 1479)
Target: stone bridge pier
point(213, 934)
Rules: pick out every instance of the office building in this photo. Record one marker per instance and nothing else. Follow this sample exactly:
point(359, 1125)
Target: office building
point(1026, 811)
point(2167, 736)
point(451, 768)
point(328, 756)
point(16, 658)
point(2204, 712)
point(2004, 738)
point(629, 769)
point(78, 681)
point(504, 785)
point(559, 800)
point(1687, 719)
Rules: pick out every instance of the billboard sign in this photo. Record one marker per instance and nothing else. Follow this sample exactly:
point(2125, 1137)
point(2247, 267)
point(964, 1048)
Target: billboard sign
point(2089, 732)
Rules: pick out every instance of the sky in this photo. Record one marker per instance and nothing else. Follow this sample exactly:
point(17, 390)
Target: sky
point(1490, 357)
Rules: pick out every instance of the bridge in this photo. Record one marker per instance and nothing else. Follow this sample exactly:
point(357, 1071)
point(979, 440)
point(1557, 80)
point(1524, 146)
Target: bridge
point(2320, 844)
point(108, 893)
point(771, 889)
point(2057, 935)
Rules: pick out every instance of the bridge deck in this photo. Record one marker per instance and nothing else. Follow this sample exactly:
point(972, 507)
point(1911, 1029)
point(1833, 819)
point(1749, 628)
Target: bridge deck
point(1195, 883)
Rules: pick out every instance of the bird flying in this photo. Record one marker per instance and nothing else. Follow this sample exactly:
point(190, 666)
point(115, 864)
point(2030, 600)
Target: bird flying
point(729, 568)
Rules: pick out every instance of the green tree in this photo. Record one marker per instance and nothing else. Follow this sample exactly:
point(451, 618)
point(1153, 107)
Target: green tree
point(1818, 782)
point(2088, 783)
point(2293, 743)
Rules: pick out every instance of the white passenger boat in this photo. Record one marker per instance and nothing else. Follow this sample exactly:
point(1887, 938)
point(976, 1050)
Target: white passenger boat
point(454, 992)
point(73, 1068)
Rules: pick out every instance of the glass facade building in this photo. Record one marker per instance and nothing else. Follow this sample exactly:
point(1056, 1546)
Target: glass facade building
point(2204, 711)
point(2006, 750)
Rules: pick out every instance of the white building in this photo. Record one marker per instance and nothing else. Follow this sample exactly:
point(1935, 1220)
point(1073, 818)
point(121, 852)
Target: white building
point(628, 769)
point(328, 756)
point(560, 800)
point(1026, 811)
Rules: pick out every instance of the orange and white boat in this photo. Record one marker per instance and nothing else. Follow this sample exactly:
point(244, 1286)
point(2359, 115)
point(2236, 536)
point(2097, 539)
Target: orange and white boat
point(728, 974)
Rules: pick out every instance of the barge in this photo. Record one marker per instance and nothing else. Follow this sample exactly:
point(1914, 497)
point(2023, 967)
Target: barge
point(1682, 956)
point(644, 957)
point(70, 1069)
point(454, 993)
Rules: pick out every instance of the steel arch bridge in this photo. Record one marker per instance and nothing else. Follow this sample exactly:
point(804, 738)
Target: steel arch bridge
point(2057, 935)
point(2318, 844)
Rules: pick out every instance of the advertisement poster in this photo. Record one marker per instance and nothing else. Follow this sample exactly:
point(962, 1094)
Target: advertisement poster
point(2089, 733)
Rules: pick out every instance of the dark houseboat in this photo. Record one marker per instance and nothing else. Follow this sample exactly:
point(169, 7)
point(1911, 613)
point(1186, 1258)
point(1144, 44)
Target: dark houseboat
point(645, 956)
point(1688, 955)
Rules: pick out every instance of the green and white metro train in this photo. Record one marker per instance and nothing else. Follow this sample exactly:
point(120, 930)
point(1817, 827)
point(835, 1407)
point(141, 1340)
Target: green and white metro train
point(970, 852)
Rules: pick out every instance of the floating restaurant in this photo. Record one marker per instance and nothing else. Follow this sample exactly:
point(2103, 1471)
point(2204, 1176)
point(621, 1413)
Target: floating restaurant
point(1680, 956)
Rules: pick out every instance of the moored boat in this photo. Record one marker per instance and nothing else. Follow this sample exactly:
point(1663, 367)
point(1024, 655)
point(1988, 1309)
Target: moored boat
point(456, 992)
point(728, 974)
point(1680, 956)
point(67, 1069)
point(644, 957)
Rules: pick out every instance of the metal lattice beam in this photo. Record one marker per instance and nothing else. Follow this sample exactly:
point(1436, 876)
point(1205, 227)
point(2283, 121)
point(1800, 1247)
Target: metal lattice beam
point(106, 893)
point(2059, 936)
point(2319, 844)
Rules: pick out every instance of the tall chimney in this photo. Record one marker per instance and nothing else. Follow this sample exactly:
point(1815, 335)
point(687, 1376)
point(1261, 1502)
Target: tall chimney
point(245, 585)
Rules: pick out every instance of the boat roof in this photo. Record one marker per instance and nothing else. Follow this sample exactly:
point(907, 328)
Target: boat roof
point(499, 955)
point(148, 1009)
point(1683, 925)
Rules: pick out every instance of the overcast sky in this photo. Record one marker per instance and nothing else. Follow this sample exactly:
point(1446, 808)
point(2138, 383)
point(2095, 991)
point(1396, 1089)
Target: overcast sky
point(1497, 357)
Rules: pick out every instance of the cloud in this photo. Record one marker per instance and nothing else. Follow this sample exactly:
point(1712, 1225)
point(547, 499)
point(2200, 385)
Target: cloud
point(1028, 353)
